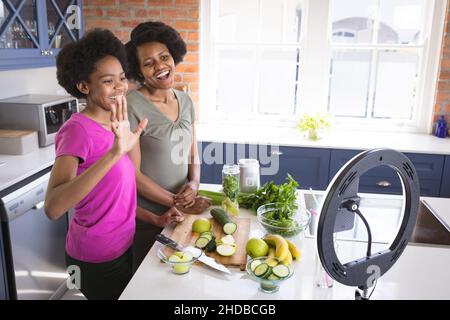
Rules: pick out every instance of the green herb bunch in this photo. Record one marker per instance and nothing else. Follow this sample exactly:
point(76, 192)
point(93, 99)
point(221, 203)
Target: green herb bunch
point(284, 195)
point(230, 186)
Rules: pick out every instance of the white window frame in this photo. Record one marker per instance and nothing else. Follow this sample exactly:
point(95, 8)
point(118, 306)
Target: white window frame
point(315, 62)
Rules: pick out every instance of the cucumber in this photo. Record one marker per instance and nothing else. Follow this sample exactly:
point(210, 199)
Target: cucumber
point(281, 271)
point(202, 242)
point(228, 226)
point(211, 246)
point(262, 270)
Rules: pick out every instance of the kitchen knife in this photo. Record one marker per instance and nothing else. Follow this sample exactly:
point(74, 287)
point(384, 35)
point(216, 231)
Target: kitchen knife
point(203, 258)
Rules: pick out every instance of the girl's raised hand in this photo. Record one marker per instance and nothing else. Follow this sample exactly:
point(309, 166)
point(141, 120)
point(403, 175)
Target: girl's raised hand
point(125, 139)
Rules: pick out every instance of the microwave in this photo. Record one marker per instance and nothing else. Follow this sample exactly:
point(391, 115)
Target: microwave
point(42, 113)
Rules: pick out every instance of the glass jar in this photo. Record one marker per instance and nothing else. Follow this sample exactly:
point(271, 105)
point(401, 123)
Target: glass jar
point(230, 185)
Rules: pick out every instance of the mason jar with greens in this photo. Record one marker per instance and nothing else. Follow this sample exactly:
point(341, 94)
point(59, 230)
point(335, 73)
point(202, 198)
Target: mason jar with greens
point(230, 185)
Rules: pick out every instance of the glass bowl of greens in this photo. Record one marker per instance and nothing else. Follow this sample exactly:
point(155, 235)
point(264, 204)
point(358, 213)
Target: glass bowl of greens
point(285, 221)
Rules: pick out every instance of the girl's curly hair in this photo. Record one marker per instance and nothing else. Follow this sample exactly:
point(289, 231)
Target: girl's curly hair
point(77, 60)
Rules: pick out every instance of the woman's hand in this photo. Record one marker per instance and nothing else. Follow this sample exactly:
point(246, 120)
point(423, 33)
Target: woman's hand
point(186, 196)
point(200, 205)
point(125, 139)
point(171, 215)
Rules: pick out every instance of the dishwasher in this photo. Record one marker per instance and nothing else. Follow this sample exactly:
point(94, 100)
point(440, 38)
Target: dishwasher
point(33, 245)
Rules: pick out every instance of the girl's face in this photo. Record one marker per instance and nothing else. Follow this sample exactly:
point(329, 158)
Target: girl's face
point(107, 82)
point(156, 65)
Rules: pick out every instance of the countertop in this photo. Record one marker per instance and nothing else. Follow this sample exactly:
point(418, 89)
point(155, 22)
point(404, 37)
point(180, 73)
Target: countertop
point(337, 139)
point(420, 273)
point(16, 168)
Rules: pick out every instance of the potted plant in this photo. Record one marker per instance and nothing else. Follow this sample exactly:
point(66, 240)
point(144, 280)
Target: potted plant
point(314, 126)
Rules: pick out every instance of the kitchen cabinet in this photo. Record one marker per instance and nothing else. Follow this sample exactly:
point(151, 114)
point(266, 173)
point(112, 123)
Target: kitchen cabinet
point(385, 180)
point(445, 185)
point(309, 166)
point(32, 32)
point(315, 167)
point(211, 156)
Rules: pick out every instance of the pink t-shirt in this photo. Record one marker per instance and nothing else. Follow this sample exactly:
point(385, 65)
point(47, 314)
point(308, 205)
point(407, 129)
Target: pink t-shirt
point(103, 224)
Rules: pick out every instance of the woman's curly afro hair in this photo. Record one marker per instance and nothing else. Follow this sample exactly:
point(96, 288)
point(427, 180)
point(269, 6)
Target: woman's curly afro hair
point(77, 60)
point(153, 31)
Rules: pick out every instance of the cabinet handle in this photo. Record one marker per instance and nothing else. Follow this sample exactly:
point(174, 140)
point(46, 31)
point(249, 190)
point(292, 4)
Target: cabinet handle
point(277, 153)
point(383, 184)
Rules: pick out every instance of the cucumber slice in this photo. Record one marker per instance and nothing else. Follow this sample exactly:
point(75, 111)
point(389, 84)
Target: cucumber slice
point(226, 250)
point(273, 277)
point(202, 242)
point(254, 264)
point(281, 271)
point(229, 228)
point(261, 270)
point(207, 234)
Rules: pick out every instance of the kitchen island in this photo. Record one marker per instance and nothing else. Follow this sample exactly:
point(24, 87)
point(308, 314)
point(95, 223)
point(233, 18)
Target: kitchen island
point(420, 273)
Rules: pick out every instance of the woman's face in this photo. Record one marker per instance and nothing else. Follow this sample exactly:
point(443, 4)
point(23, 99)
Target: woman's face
point(156, 65)
point(107, 82)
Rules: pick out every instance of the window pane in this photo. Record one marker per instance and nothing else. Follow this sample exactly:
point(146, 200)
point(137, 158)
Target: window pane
point(28, 15)
point(238, 20)
point(401, 21)
point(349, 83)
point(236, 78)
point(280, 20)
point(352, 20)
point(278, 79)
point(396, 85)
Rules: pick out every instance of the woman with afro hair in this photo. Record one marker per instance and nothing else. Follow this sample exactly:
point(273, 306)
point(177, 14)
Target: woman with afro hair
point(92, 172)
point(166, 154)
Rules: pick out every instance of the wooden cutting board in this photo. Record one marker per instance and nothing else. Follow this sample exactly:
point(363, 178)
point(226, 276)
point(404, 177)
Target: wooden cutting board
point(183, 235)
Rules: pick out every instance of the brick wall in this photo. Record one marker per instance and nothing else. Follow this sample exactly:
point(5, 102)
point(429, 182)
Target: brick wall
point(122, 16)
point(442, 105)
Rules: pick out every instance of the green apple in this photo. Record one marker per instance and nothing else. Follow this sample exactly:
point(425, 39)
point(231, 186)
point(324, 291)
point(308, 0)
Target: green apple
point(201, 225)
point(256, 247)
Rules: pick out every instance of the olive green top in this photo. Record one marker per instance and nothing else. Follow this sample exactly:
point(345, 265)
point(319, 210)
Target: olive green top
point(165, 144)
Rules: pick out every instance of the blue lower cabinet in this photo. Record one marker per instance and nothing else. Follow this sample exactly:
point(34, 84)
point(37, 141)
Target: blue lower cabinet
point(211, 156)
point(309, 166)
point(385, 180)
point(445, 185)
